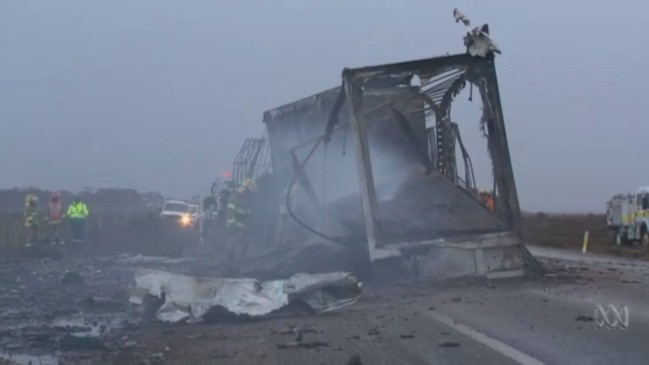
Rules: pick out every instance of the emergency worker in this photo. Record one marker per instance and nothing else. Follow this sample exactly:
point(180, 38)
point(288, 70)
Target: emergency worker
point(238, 213)
point(54, 218)
point(78, 213)
point(31, 219)
point(222, 201)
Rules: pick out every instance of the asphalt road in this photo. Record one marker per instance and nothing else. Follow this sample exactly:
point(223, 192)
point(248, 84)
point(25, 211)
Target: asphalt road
point(549, 320)
point(546, 321)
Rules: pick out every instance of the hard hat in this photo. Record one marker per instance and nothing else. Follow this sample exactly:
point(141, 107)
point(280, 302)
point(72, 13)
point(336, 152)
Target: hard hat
point(31, 199)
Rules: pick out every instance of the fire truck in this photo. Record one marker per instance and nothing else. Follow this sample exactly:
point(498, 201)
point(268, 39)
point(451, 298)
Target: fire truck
point(628, 216)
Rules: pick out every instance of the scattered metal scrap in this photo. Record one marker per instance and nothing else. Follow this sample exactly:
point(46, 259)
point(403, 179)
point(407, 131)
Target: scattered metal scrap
point(303, 344)
point(191, 298)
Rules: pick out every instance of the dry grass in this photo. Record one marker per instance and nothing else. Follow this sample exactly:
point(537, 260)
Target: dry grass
point(117, 214)
point(567, 231)
point(12, 232)
point(108, 233)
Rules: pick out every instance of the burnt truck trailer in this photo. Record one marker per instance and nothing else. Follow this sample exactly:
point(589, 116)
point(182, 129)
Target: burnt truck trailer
point(378, 163)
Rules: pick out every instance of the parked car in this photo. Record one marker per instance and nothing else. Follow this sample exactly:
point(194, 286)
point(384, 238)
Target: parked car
point(184, 213)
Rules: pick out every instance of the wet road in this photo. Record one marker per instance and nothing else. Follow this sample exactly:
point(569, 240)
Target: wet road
point(543, 321)
point(549, 321)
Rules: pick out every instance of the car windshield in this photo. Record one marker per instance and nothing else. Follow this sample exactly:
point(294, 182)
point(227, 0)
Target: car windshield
point(176, 207)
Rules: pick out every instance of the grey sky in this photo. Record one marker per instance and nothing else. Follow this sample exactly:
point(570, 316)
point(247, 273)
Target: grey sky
point(159, 95)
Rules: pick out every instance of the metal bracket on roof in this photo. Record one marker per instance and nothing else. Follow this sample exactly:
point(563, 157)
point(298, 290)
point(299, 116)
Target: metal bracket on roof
point(477, 40)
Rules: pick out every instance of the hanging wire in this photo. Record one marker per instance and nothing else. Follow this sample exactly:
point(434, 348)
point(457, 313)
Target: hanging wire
point(288, 199)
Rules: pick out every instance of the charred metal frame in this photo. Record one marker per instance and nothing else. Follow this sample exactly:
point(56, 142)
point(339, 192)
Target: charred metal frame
point(252, 161)
point(492, 253)
point(478, 71)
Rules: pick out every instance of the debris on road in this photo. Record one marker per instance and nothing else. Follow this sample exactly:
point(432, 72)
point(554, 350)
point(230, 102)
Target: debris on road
point(355, 360)
point(449, 344)
point(293, 330)
point(75, 342)
point(374, 332)
point(190, 298)
point(584, 318)
point(307, 344)
point(631, 281)
point(72, 278)
point(101, 303)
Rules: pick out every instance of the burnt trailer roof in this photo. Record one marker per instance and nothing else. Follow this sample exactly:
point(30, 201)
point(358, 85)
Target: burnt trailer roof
point(298, 124)
point(303, 103)
point(380, 84)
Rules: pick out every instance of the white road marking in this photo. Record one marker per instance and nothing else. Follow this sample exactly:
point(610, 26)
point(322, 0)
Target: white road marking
point(492, 343)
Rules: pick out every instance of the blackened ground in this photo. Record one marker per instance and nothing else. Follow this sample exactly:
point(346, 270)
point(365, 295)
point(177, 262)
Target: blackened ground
point(52, 294)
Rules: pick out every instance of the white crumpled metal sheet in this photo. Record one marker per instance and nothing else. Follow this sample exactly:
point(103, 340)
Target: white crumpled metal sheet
point(190, 298)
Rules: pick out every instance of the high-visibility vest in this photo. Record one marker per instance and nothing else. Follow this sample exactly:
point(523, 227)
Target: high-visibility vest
point(237, 212)
point(31, 216)
point(78, 210)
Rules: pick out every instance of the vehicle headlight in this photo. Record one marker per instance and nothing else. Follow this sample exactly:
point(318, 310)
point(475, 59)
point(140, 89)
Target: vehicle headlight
point(185, 220)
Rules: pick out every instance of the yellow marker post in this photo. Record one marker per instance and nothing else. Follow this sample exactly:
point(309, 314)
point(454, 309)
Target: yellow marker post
point(585, 245)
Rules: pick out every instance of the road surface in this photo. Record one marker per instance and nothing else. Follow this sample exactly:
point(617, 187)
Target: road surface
point(544, 321)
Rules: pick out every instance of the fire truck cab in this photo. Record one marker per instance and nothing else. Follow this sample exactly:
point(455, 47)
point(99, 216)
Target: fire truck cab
point(628, 216)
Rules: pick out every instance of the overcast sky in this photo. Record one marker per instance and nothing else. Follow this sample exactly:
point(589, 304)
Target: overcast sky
point(159, 94)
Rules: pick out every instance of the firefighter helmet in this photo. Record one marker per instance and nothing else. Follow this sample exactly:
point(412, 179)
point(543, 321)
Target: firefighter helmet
point(249, 184)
